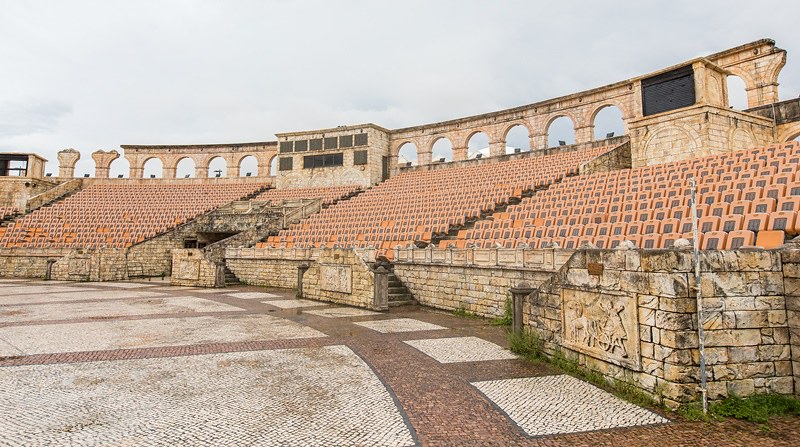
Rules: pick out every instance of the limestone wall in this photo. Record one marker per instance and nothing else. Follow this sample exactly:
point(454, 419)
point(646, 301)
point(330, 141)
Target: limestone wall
point(791, 286)
point(27, 262)
point(476, 280)
point(105, 264)
point(631, 315)
point(191, 268)
point(16, 191)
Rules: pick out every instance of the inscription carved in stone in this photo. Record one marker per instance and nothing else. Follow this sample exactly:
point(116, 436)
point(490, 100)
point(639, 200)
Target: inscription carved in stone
point(602, 325)
point(189, 269)
point(336, 278)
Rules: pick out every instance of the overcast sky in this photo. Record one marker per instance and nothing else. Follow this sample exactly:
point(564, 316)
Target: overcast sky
point(96, 74)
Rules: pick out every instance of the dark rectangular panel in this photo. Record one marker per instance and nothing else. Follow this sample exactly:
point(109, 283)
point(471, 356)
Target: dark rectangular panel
point(315, 144)
point(346, 141)
point(285, 164)
point(361, 139)
point(286, 146)
point(331, 143)
point(301, 145)
point(668, 91)
point(359, 157)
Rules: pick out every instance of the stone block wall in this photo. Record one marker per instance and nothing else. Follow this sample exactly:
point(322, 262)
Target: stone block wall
point(475, 280)
point(268, 267)
point(192, 268)
point(27, 262)
point(791, 285)
point(632, 315)
point(106, 264)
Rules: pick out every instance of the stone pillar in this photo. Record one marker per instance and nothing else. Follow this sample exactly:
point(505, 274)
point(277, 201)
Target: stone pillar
point(301, 270)
point(66, 162)
point(497, 148)
point(169, 171)
point(518, 295)
point(102, 162)
point(539, 142)
point(380, 296)
point(219, 275)
point(460, 153)
point(584, 134)
point(424, 158)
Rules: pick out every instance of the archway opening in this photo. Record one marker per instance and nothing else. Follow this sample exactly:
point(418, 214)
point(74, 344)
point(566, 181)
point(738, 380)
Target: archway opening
point(442, 150)
point(119, 167)
point(185, 168)
point(560, 132)
point(478, 146)
point(217, 167)
point(52, 167)
point(153, 168)
point(608, 123)
point(273, 166)
point(518, 139)
point(85, 167)
point(248, 166)
point(408, 155)
point(737, 93)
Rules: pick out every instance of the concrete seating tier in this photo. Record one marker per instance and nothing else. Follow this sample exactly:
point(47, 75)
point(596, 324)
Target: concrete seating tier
point(327, 194)
point(746, 198)
point(118, 215)
point(420, 205)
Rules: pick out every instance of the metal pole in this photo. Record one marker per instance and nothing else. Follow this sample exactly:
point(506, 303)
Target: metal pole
point(700, 317)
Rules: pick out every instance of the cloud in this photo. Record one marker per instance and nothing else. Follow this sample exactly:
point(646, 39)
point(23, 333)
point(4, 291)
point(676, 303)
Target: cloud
point(31, 116)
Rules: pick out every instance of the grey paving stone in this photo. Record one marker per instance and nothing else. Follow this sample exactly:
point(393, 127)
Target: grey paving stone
point(461, 349)
point(341, 312)
point(253, 295)
point(399, 325)
point(295, 304)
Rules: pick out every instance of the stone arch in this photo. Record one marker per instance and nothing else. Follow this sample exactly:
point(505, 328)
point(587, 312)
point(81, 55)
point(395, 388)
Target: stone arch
point(561, 131)
point(476, 145)
point(517, 135)
point(441, 147)
point(607, 125)
point(789, 132)
point(85, 166)
point(217, 166)
point(669, 144)
point(248, 164)
point(273, 165)
point(120, 166)
point(408, 152)
point(153, 166)
point(737, 92)
point(186, 166)
point(741, 139)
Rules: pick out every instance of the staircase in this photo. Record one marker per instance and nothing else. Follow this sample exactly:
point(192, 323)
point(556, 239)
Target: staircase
point(399, 295)
point(230, 277)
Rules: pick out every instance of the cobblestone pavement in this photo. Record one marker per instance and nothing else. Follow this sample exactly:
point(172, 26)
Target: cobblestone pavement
point(101, 364)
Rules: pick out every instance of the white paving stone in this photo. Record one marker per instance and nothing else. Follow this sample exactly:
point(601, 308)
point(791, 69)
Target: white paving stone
point(563, 404)
point(20, 289)
point(399, 325)
point(461, 349)
point(295, 304)
point(311, 397)
point(109, 309)
point(156, 332)
point(214, 290)
point(88, 294)
point(341, 312)
point(122, 285)
point(253, 295)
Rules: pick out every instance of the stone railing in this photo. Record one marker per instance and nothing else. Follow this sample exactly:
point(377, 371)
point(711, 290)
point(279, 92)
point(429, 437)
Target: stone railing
point(534, 259)
point(54, 193)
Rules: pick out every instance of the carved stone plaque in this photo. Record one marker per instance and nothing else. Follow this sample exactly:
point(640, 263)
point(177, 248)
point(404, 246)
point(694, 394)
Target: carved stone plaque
point(602, 325)
point(189, 269)
point(336, 278)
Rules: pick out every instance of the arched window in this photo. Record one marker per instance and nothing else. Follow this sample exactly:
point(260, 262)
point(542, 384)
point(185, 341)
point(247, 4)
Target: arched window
point(442, 150)
point(185, 168)
point(248, 167)
point(561, 130)
point(608, 121)
point(120, 166)
point(737, 93)
point(478, 146)
point(218, 167)
point(408, 153)
point(517, 139)
point(153, 168)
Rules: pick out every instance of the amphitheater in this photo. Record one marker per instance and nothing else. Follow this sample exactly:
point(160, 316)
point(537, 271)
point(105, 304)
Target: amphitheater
point(594, 241)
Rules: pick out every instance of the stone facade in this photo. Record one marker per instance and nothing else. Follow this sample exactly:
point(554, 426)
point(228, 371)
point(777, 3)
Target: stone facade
point(350, 173)
point(105, 264)
point(28, 262)
point(631, 315)
point(791, 286)
point(16, 191)
point(191, 268)
point(475, 280)
point(201, 155)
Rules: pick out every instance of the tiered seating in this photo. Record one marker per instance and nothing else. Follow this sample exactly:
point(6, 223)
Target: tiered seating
point(328, 195)
point(118, 215)
point(7, 211)
point(417, 206)
point(746, 198)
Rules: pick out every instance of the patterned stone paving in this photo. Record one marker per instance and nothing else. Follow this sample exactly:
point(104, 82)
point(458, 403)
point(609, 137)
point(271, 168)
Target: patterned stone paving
point(311, 396)
point(562, 404)
point(110, 309)
point(153, 332)
point(253, 295)
point(295, 304)
point(341, 312)
point(122, 285)
point(399, 325)
point(461, 349)
point(20, 289)
point(75, 295)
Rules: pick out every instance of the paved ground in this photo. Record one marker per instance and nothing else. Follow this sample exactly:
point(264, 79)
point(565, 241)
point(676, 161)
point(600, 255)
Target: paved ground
point(141, 363)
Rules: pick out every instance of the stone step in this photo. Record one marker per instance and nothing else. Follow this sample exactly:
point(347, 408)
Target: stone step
point(401, 303)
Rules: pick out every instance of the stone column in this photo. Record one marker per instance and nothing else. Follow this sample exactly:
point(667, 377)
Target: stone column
point(301, 270)
point(102, 162)
point(460, 153)
point(584, 134)
point(424, 158)
point(380, 296)
point(497, 148)
point(66, 162)
point(518, 295)
point(539, 142)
